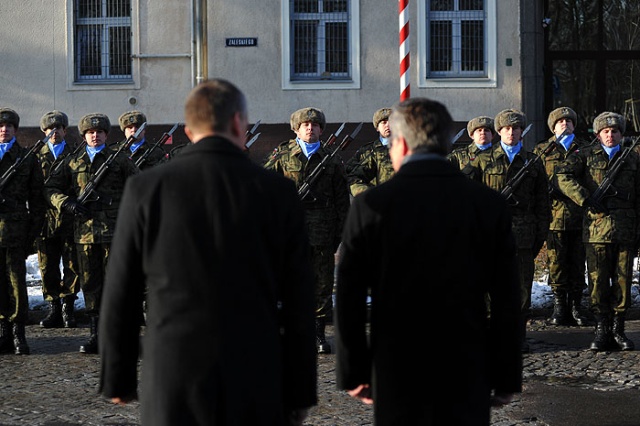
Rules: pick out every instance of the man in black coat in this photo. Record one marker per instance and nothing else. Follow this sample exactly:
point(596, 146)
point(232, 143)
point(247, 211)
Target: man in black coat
point(220, 245)
point(426, 246)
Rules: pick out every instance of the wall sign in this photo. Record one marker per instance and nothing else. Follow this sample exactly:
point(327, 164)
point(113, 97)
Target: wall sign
point(241, 42)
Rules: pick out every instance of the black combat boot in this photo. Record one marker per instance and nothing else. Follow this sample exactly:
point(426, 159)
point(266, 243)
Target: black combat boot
point(91, 347)
point(54, 319)
point(603, 336)
point(68, 314)
point(560, 314)
point(321, 341)
point(6, 337)
point(19, 340)
point(623, 342)
point(575, 304)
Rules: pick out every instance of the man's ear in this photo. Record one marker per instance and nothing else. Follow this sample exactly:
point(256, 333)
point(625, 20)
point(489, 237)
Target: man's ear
point(238, 127)
point(189, 133)
point(404, 148)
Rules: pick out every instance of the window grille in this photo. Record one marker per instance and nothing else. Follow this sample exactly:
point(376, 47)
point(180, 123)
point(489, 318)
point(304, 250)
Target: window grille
point(102, 41)
point(456, 45)
point(320, 40)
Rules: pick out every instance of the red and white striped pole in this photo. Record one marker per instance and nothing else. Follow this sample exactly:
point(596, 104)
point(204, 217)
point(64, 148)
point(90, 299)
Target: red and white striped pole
point(403, 20)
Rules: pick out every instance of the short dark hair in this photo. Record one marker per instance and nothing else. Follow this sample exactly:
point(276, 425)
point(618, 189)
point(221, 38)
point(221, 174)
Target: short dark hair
point(425, 124)
point(212, 104)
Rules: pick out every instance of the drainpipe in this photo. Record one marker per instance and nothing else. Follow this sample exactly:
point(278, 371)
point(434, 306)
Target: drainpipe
point(199, 30)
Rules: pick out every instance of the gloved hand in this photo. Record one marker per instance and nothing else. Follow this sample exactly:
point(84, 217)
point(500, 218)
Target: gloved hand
point(74, 207)
point(595, 205)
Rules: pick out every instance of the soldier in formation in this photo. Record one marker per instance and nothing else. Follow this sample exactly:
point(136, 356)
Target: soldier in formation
point(481, 132)
point(94, 206)
point(21, 216)
point(326, 204)
point(130, 122)
point(55, 243)
point(565, 250)
point(610, 227)
point(371, 164)
point(528, 198)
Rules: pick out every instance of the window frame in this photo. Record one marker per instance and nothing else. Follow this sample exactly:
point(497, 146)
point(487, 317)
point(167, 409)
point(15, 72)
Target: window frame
point(443, 81)
point(107, 84)
point(319, 84)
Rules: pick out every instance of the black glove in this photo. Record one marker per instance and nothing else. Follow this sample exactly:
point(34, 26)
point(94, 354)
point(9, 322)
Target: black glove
point(594, 205)
point(74, 207)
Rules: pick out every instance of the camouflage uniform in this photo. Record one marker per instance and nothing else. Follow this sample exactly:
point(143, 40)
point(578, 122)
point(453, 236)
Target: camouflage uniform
point(465, 157)
point(325, 208)
point(529, 207)
point(21, 215)
point(55, 243)
point(139, 148)
point(565, 250)
point(92, 232)
point(369, 166)
point(610, 232)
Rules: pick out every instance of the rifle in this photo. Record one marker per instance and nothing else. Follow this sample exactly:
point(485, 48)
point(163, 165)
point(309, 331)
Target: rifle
point(457, 136)
point(251, 133)
point(97, 177)
point(251, 141)
point(333, 136)
point(55, 167)
point(11, 171)
point(305, 188)
point(163, 139)
point(606, 188)
point(513, 183)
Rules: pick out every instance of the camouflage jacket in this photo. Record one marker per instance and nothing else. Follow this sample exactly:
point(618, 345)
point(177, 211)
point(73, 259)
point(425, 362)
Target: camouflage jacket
point(530, 202)
point(581, 174)
point(73, 176)
point(22, 206)
point(156, 155)
point(56, 223)
point(369, 166)
point(566, 215)
point(327, 205)
point(464, 157)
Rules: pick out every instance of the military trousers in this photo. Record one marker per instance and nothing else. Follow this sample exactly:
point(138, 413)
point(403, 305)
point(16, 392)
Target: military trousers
point(14, 300)
point(51, 252)
point(566, 256)
point(526, 267)
point(323, 263)
point(92, 265)
point(610, 268)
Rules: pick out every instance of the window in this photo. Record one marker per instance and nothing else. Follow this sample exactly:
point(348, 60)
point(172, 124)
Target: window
point(457, 42)
point(320, 44)
point(102, 41)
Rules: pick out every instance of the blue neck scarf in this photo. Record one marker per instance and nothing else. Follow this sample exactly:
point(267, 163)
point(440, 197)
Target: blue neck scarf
point(611, 151)
point(511, 151)
point(56, 149)
point(384, 141)
point(93, 151)
point(483, 147)
point(566, 141)
point(4, 147)
point(136, 145)
point(308, 148)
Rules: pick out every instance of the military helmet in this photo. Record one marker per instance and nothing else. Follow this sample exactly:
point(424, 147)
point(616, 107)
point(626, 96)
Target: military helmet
point(510, 117)
point(94, 121)
point(131, 118)
point(54, 119)
point(609, 119)
point(478, 122)
point(7, 115)
point(381, 115)
point(560, 113)
point(303, 115)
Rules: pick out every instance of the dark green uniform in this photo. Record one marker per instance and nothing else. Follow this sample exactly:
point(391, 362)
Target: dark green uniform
point(21, 215)
point(565, 250)
point(55, 243)
point(369, 166)
point(155, 157)
point(465, 157)
point(92, 233)
point(529, 207)
point(325, 210)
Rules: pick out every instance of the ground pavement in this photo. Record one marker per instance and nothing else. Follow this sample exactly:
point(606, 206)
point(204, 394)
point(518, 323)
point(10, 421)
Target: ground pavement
point(565, 384)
